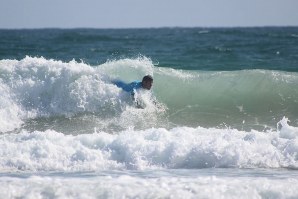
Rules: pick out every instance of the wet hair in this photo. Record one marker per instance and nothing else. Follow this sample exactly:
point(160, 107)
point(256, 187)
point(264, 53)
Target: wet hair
point(147, 78)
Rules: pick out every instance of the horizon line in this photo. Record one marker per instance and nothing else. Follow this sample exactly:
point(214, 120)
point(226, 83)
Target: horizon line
point(153, 27)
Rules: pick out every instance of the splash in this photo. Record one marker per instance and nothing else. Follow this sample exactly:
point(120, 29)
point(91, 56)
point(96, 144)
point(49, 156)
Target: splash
point(36, 87)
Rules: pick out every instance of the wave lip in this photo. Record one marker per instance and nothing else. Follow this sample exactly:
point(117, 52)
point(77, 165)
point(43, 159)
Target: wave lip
point(253, 99)
point(178, 148)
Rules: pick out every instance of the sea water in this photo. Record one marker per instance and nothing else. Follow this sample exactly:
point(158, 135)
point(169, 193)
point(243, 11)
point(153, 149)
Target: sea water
point(223, 122)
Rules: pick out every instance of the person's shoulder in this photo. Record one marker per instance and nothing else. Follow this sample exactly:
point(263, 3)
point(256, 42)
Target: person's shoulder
point(136, 83)
point(135, 86)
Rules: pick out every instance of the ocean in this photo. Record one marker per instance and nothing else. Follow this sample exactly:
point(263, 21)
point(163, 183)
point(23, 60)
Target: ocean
point(221, 120)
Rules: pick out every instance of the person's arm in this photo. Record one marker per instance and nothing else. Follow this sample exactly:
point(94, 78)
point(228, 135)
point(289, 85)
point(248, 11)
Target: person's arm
point(135, 100)
point(133, 95)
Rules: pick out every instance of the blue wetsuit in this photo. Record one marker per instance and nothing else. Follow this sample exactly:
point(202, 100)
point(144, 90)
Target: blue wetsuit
point(130, 87)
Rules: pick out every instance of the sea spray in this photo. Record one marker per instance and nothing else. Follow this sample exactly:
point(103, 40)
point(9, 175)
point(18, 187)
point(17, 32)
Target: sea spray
point(36, 88)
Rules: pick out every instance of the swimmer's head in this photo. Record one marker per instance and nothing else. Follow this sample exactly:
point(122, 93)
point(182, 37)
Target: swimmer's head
point(147, 82)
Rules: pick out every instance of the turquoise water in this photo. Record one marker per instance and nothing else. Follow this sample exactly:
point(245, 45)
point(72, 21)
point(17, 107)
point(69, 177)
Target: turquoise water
point(223, 124)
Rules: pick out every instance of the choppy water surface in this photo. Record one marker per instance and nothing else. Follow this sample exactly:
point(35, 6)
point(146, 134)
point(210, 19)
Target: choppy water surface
point(223, 122)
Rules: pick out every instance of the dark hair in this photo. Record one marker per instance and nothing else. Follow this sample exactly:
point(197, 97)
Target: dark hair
point(147, 78)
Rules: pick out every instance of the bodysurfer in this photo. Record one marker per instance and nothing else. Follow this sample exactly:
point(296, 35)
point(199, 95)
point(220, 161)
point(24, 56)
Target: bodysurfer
point(132, 87)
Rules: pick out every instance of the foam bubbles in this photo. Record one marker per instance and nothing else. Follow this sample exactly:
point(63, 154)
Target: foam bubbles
point(129, 186)
point(9, 110)
point(285, 130)
point(178, 148)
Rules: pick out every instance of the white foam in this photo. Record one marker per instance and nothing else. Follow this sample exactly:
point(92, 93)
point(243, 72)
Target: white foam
point(135, 187)
point(128, 69)
point(9, 110)
point(181, 147)
point(287, 131)
point(35, 87)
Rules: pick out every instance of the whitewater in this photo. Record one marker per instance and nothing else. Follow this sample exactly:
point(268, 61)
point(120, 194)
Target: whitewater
point(68, 132)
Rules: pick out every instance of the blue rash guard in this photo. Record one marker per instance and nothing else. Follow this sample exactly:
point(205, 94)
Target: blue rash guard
point(131, 87)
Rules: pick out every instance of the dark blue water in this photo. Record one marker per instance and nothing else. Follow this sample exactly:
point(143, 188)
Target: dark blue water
point(273, 48)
